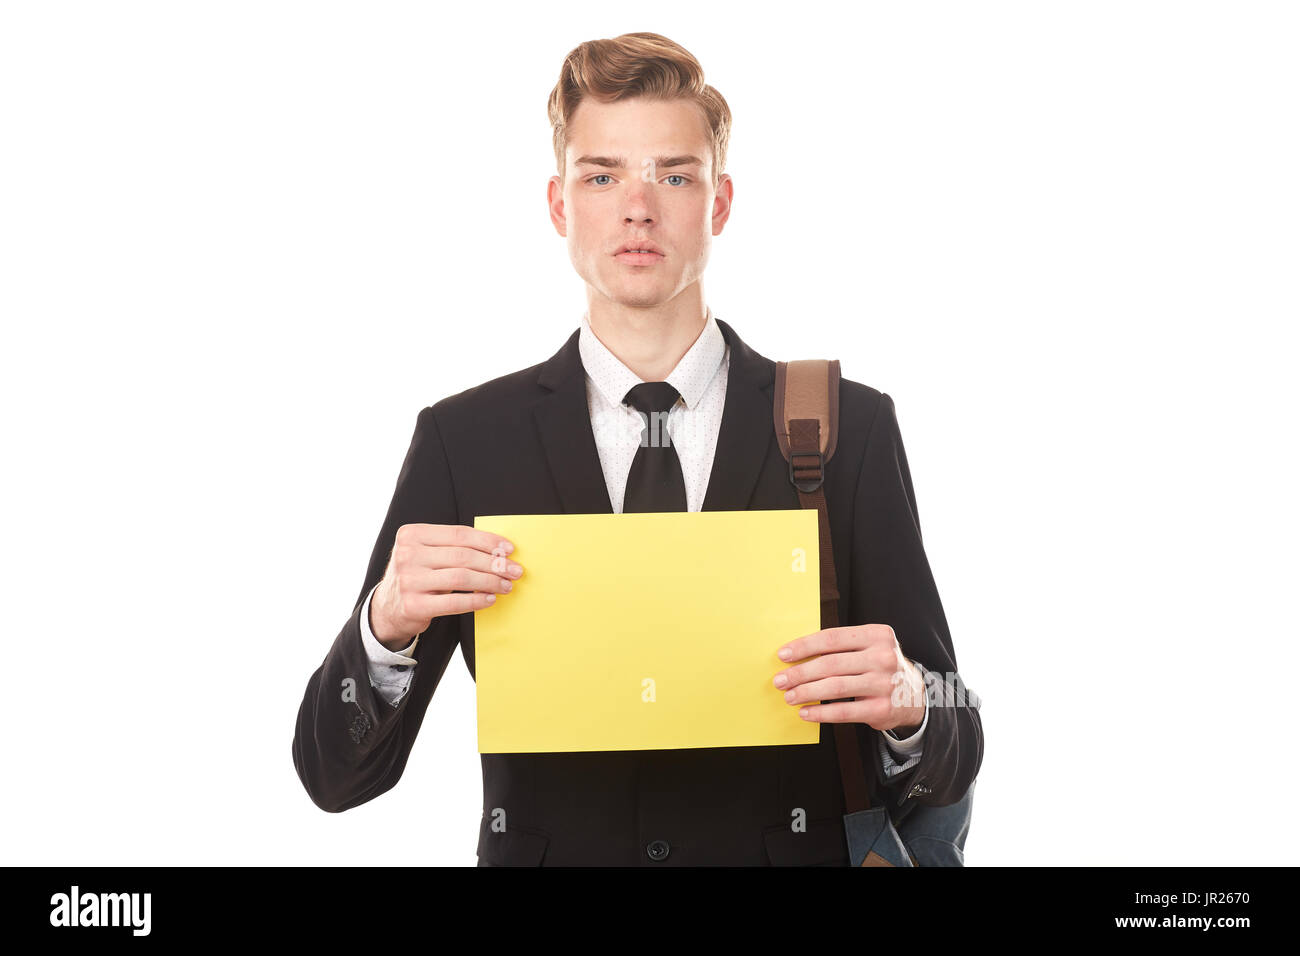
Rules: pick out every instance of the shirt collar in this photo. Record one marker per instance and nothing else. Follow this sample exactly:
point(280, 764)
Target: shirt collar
point(613, 379)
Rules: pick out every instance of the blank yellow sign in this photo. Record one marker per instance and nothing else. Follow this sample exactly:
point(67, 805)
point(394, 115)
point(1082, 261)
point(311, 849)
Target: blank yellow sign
point(653, 631)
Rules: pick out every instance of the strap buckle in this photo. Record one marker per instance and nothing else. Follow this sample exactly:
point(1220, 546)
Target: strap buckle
point(808, 484)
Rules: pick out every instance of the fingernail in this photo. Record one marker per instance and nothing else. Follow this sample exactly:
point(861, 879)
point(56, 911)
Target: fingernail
point(506, 585)
point(784, 653)
point(508, 546)
point(515, 569)
point(789, 697)
point(780, 680)
point(491, 598)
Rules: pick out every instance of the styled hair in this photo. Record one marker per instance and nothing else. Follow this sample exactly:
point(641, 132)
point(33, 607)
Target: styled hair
point(631, 65)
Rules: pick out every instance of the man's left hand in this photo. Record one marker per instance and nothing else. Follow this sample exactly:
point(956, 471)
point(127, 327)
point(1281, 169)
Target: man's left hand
point(862, 661)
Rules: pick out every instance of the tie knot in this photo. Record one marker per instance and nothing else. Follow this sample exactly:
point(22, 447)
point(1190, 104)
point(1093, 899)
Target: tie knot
point(650, 397)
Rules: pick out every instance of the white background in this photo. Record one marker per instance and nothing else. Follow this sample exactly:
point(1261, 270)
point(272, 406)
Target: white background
point(242, 244)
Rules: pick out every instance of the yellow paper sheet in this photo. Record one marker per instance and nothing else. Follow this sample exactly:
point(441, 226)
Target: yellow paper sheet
point(646, 631)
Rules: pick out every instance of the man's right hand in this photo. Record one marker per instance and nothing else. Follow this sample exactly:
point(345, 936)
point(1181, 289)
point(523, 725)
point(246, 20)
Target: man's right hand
point(436, 570)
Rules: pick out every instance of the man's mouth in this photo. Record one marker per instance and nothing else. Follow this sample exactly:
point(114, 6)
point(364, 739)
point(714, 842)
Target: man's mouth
point(639, 254)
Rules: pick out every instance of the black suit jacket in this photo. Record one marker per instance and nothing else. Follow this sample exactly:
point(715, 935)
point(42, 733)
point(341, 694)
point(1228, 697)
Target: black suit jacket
point(523, 444)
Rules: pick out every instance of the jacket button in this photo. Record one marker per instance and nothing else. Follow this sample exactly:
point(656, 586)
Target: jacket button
point(657, 850)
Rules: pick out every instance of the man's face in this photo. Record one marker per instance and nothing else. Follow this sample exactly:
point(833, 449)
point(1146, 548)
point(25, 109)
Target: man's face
point(638, 172)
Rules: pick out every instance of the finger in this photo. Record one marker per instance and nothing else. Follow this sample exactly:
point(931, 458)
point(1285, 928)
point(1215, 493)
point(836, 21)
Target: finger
point(873, 710)
point(827, 665)
point(418, 580)
point(453, 536)
point(844, 685)
point(460, 557)
point(466, 579)
point(441, 605)
point(827, 640)
point(500, 564)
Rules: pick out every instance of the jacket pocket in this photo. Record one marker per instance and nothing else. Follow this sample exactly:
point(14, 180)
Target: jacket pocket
point(822, 844)
point(515, 846)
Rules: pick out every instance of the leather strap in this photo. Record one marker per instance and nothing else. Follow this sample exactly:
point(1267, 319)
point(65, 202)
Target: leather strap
point(806, 417)
point(809, 388)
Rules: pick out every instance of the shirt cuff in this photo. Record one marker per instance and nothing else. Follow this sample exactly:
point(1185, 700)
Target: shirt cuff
point(390, 671)
point(888, 763)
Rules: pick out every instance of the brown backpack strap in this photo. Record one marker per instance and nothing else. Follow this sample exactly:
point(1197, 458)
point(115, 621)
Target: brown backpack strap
point(805, 412)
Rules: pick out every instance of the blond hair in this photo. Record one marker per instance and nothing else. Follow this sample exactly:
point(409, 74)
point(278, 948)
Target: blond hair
point(636, 64)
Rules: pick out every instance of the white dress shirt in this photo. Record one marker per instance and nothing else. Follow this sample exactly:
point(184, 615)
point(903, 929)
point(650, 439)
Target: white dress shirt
point(692, 423)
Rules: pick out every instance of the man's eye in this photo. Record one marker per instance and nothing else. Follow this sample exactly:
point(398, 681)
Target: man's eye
point(593, 179)
point(679, 176)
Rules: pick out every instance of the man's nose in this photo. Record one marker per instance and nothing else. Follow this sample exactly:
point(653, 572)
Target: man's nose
point(638, 202)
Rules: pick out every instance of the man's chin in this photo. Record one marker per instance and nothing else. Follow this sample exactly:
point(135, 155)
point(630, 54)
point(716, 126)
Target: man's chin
point(634, 298)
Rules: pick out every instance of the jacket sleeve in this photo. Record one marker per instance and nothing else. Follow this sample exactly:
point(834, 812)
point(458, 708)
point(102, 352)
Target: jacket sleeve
point(892, 584)
point(350, 744)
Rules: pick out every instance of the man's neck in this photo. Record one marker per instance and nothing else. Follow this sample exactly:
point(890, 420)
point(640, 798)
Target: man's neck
point(650, 342)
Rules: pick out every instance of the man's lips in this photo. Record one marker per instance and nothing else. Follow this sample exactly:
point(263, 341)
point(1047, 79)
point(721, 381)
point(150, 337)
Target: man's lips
point(639, 258)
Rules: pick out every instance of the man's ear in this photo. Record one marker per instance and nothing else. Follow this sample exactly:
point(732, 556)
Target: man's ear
point(722, 197)
point(555, 204)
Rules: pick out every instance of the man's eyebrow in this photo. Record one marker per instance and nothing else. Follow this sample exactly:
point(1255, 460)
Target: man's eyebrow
point(618, 162)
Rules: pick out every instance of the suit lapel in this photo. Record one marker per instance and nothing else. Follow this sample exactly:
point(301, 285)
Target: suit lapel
point(564, 424)
point(747, 428)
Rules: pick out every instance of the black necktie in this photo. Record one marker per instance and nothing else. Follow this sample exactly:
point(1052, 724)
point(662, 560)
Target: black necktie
point(655, 482)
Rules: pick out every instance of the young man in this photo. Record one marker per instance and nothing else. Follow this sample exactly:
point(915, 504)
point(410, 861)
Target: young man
point(640, 144)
